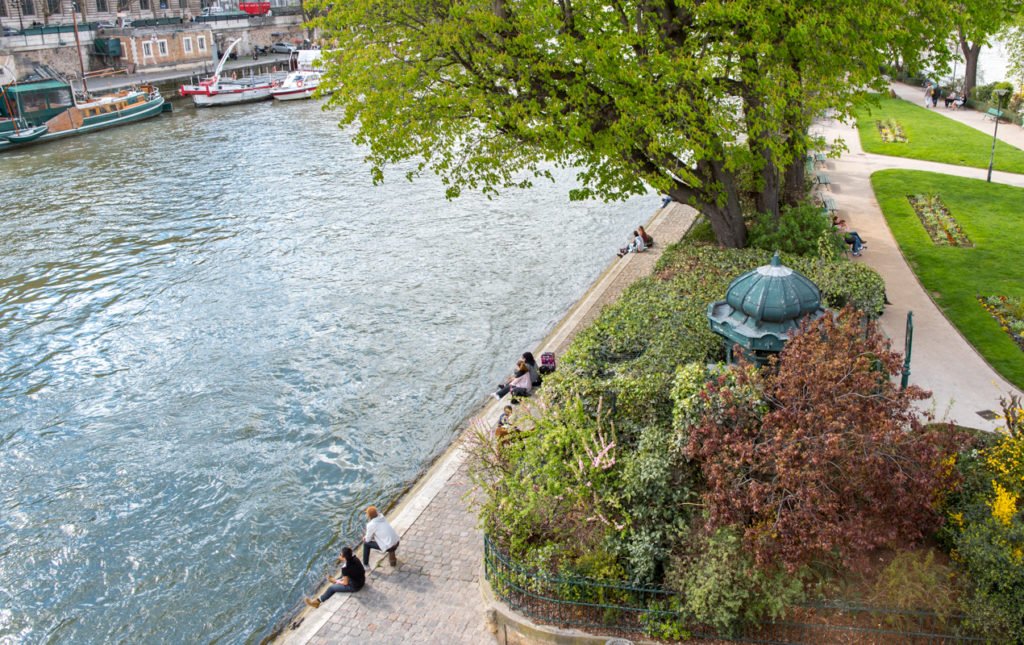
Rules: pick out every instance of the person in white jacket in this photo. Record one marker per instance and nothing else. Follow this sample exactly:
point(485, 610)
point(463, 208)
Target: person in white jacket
point(379, 536)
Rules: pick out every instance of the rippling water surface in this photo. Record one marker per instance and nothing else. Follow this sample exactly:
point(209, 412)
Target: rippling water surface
point(218, 341)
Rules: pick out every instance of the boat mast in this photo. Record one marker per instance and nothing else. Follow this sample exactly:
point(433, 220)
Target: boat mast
point(78, 46)
point(7, 101)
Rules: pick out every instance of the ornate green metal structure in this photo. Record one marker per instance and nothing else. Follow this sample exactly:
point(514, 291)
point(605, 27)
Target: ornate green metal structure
point(762, 308)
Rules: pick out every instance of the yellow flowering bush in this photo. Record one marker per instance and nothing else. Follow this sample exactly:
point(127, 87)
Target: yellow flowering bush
point(985, 529)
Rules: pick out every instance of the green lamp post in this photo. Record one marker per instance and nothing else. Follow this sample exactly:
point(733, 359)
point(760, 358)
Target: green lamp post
point(762, 308)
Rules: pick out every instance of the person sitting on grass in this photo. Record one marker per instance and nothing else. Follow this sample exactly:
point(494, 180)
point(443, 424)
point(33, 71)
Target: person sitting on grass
point(504, 424)
point(353, 577)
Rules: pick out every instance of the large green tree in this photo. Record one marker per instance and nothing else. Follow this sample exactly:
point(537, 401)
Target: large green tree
point(708, 101)
point(976, 22)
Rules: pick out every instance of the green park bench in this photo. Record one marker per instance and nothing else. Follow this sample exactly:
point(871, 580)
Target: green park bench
point(820, 157)
point(994, 114)
point(822, 179)
point(828, 205)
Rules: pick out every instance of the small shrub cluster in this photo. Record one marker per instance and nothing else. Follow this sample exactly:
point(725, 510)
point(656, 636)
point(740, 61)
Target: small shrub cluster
point(986, 93)
point(796, 231)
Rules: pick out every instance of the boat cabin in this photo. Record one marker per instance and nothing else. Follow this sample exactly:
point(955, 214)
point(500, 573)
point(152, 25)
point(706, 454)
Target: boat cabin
point(35, 102)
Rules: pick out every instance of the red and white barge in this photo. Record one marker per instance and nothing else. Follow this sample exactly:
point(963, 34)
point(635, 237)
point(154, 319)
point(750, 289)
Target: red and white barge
point(217, 90)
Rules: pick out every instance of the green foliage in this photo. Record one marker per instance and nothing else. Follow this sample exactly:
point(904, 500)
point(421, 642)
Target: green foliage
point(722, 588)
point(489, 94)
point(914, 580)
point(796, 230)
point(985, 530)
point(547, 486)
point(846, 283)
point(986, 93)
point(990, 215)
point(933, 137)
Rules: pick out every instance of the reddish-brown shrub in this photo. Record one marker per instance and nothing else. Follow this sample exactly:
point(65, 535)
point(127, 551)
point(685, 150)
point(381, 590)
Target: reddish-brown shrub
point(837, 463)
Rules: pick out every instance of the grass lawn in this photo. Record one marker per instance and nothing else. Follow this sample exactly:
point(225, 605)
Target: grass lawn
point(933, 137)
point(992, 216)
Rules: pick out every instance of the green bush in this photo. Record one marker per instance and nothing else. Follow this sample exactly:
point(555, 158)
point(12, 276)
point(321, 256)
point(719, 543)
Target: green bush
point(916, 581)
point(721, 587)
point(986, 92)
point(845, 283)
point(796, 231)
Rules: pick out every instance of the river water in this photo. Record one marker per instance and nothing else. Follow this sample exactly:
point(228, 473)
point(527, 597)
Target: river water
point(218, 342)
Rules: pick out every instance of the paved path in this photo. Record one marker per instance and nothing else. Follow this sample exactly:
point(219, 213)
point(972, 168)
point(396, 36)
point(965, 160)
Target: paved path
point(962, 383)
point(1011, 134)
point(433, 596)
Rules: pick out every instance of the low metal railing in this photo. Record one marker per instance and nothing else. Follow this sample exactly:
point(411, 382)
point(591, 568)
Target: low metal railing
point(622, 609)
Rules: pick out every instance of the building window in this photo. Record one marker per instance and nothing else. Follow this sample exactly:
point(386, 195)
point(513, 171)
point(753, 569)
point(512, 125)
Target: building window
point(147, 50)
point(53, 6)
point(183, 4)
point(144, 5)
point(161, 46)
point(28, 8)
point(3, 8)
point(202, 43)
point(102, 6)
point(123, 5)
point(187, 45)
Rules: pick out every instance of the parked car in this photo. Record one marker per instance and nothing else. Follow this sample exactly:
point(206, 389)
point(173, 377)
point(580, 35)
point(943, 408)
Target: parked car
point(281, 48)
point(10, 32)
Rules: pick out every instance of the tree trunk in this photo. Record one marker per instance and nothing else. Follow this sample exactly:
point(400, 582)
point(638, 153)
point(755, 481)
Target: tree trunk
point(794, 189)
point(725, 215)
point(970, 65)
point(767, 200)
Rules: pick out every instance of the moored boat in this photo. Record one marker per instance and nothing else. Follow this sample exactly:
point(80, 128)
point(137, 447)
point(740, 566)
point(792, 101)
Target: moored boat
point(298, 85)
point(39, 111)
point(228, 91)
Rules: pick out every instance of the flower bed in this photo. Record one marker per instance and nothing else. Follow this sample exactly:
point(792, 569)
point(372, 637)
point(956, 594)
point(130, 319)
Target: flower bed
point(1009, 313)
point(942, 227)
point(891, 131)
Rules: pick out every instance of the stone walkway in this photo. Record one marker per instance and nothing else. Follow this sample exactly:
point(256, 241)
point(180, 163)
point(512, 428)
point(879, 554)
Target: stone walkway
point(433, 596)
point(962, 383)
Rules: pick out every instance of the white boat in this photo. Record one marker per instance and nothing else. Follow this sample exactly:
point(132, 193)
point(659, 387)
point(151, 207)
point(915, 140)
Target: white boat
point(298, 85)
point(228, 91)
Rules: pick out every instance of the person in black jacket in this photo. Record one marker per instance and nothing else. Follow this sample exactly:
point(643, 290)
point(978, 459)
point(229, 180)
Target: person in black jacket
point(353, 577)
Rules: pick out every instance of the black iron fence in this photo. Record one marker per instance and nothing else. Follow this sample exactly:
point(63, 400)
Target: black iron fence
point(622, 609)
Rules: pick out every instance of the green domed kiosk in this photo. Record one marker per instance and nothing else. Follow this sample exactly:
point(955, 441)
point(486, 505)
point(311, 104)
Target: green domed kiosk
point(762, 308)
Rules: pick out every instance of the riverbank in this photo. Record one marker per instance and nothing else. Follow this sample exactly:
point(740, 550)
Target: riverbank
point(435, 588)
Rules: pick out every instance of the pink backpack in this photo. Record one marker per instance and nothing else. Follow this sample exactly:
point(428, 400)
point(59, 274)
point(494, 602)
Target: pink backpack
point(547, 363)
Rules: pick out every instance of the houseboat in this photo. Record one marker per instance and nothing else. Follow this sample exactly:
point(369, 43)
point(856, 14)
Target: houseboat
point(44, 110)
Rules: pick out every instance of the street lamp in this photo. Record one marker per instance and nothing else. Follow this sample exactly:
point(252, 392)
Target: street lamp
point(999, 112)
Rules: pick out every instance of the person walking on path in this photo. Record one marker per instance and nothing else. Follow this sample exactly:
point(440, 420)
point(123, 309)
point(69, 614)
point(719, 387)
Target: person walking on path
point(353, 577)
point(379, 536)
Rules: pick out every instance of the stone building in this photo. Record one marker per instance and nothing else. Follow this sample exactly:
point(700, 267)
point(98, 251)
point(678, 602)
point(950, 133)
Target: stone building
point(25, 14)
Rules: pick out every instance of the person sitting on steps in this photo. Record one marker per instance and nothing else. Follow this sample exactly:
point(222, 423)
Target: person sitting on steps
point(379, 536)
point(353, 577)
point(521, 384)
point(637, 245)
